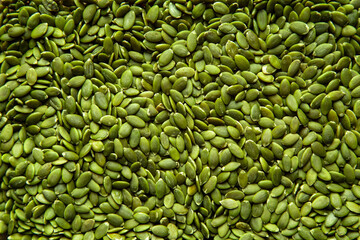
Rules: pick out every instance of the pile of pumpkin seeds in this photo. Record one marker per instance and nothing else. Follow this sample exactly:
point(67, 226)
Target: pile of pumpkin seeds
point(179, 119)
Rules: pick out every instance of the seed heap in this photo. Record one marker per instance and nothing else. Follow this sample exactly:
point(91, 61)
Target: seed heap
point(176, 119)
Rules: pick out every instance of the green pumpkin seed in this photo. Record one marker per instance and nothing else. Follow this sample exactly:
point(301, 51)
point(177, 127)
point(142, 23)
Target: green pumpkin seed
point(179, 119)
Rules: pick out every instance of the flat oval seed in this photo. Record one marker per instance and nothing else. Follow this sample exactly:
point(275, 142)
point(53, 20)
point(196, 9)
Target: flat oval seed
point(300, 28)
point(160, 230)
point(166, 57)
point(129, 20)
point(101, 230)
point(320, 202)
point(135, 121)
point(75, 120)
point(39, 30)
